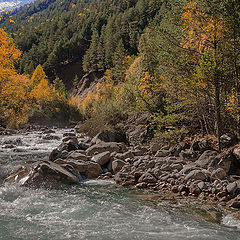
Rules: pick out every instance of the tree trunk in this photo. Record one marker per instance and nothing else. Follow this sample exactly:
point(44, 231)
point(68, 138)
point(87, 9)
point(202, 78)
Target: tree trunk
point(218, 113)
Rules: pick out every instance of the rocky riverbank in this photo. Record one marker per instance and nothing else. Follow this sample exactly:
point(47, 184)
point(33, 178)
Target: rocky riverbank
point(186, 170)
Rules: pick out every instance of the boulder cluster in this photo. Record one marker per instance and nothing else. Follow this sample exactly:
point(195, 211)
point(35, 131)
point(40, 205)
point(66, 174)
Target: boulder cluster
point(185, 169)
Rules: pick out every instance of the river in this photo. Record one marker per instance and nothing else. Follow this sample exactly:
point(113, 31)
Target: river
point(92, 210)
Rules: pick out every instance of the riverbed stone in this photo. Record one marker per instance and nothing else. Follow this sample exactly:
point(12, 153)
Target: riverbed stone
point(206, 159)
point(228, 140)
point(117, 165)
point(106, 146)
point(218, 174)
point(147, 178)
point(102, 158)
point(77, 155)
point(196, 175)
point(232, 188)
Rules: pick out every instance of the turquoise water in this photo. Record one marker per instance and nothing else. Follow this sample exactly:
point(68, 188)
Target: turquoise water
point(94, 210)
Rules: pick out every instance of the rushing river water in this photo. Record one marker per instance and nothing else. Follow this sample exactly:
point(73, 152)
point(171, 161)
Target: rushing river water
point(92, 210)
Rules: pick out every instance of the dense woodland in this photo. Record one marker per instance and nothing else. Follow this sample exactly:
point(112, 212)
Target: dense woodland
point(177, 60)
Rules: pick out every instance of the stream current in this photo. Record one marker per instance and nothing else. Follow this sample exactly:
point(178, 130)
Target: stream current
point(96, 209)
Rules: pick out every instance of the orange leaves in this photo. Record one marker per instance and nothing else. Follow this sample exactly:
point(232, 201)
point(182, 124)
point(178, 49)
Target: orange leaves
point(148, 85)
point(202, 31)
point(9, 54)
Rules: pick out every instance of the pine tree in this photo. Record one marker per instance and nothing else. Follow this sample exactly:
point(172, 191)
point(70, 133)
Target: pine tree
point(118, 57)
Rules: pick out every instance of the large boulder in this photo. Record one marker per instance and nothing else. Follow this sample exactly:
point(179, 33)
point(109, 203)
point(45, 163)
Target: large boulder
point(206, 159)
point(197, 175)
point(109, 136)
point(44, 174)
point(102, 158)
point(77, 155)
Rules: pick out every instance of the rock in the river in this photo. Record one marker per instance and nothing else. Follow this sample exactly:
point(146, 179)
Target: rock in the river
point(44, 174)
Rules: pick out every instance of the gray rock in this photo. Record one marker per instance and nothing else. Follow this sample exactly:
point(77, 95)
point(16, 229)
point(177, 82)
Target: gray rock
point(154, 147)
point(147, 178)
point(176, 149)
point(189, 155)
point(236, 153)
point(196, 175)
point(109, 136)
point(106, 146)
point(44, 174)
point(218, 174)
point(232, 188)
point(206, 159)
point(194, 189)
point(200, 145)
point(162, 153)
point(77, 155)
point(102, 158)
point(117, 165)
point(228, 140)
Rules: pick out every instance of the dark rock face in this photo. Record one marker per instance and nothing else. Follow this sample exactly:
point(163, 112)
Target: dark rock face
point(110, 136)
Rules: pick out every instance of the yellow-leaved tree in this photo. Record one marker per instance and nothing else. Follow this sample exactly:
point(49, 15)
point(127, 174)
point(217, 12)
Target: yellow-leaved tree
point(14, 101)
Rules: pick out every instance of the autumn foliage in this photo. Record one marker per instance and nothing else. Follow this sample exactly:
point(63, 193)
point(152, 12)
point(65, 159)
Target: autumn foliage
point(21, 97)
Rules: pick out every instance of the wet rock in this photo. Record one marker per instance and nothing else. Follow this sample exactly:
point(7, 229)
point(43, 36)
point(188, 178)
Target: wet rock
point(16, 142)
point(68, 139)
point(69, 134)
point(83, 146)
point(54, 154)
point(44, 174)
point(102, 158)
point(228, 140)
point(49, 131)
point(117, 165)
point(50, 137)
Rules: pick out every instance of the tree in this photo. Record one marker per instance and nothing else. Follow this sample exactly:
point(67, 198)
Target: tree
point(37, 76)
point(204, 34)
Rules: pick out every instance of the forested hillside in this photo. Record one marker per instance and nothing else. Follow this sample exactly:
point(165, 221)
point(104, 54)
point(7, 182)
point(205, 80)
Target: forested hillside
point(177, 60)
